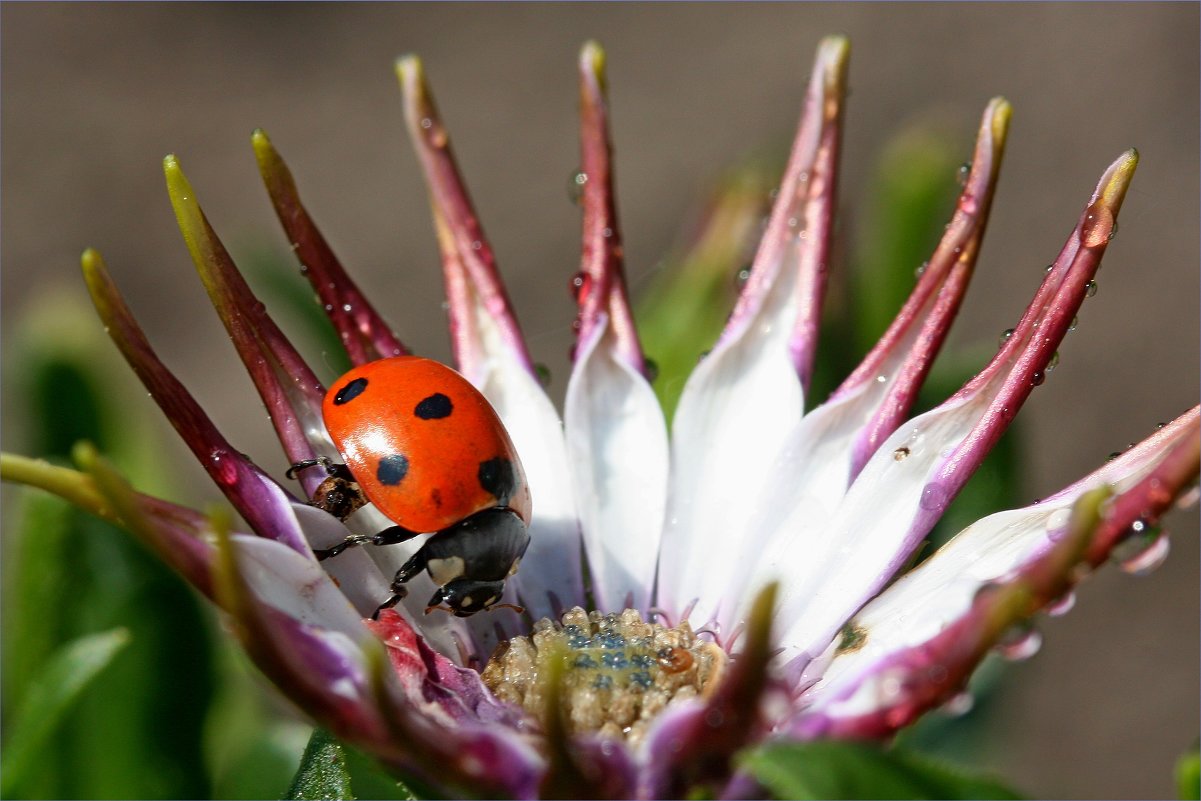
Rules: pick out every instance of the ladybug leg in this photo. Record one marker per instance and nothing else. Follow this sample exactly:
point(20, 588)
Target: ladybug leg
point(465, 597)
point(331, 467)
point(415, 564)
point(389, 536)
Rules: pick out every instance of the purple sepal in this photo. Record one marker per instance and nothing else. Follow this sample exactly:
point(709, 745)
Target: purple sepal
point(1021, 363)
point(260, 501)
point(936, 298)
point(362, 330)
point(289, 389)
point(428, 677)
point(799, 229)
point(601, 281)
point(473, 284)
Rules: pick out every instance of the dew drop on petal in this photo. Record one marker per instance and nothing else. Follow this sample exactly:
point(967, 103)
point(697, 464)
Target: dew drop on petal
point(921, 269)
point(1057, 524)
point(427, 123)
point(1053, 363)
point(1037, 378)
point(575, 186)
point(1098, 226)
point(1145, 550)
point(934, 497)
point(1075, 322)
point(965, 169)
point(1006, 335)
point(1062, 605)
point(742, 276)
point(1048, 268)
point(1090, 289)
point(542, 372)
point(578, 284)
point(1019, 644)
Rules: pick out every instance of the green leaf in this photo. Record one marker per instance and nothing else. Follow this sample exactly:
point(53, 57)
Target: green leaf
point(63, 679)
point(323, 772)
point(1188, 776)
point(843, 770)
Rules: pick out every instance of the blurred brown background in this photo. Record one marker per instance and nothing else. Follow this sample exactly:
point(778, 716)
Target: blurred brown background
point(95, 95)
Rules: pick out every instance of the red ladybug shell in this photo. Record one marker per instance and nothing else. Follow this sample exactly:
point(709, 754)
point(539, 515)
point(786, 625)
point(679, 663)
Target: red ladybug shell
point(424, 445)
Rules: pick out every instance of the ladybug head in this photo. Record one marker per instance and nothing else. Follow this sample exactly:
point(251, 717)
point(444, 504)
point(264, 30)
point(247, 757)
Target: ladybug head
point(465, 597)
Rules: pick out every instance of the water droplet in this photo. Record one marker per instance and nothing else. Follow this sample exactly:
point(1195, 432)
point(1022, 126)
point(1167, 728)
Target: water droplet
point(900, 454)
point(1090, 289)
point(793, 222)
point(427, 123)
point(1053, 363)
point(476, 244)
point(881, 379)
point(1098, 226)
point(1057, 524)
point(742, 276)
point(934, 497)
point(1019, 643)
point(1048, 268)
point(1075, 322)
point(1006, 335)
point(606, 232)
point(703, 356)
point(802, 177)
point(578, 285)
point(575, 186)
point(965, 169)
point(543, 374)
point(921, 269)
point(346, 307)
point(1037, 378)
point(1062, 605)
point(1144, 550)
point(329, 307)
point(650, 369)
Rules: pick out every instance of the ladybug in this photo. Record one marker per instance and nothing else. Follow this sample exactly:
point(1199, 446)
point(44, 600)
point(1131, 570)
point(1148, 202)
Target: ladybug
point(426, 448)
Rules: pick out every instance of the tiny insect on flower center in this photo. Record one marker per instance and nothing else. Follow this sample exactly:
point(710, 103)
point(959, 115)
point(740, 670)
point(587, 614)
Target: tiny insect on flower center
point(617, 671)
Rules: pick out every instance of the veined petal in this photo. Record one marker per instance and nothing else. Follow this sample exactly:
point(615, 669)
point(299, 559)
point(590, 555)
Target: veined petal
point(823, 454)
point(263, 504)
point(619, 452)
point(748, 393)
point(875, 684)
point(616, 436)
point(364, 333)
point(915, 474)
point(290, 391)
point(491, 353)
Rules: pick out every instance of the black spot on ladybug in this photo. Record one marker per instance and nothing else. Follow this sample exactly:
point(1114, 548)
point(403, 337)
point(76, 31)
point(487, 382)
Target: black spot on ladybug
point(392, 469)
point(435, 407)
point(351, 391)
point(436, 497)
point(497, 477)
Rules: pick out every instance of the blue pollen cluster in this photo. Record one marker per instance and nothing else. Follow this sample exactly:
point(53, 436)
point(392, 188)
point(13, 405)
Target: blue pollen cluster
point(618, 671)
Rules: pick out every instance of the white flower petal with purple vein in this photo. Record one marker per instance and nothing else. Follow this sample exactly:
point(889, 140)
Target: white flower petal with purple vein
point(617, 441)
point(736, 409)
point(297, 586)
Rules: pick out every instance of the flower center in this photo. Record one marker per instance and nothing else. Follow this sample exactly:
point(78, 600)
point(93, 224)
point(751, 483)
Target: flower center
point(617, 671)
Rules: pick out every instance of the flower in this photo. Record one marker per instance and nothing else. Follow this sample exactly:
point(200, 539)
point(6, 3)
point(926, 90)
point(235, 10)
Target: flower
point(776, 530)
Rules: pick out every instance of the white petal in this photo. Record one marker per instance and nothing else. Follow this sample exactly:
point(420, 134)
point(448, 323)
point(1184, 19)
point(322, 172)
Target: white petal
point(297, 586)
point(882, 518)
point(549, 579)
point(737, 407)
point(617, 442)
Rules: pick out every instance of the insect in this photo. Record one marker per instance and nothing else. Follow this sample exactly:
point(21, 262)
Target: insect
point(426, 448)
